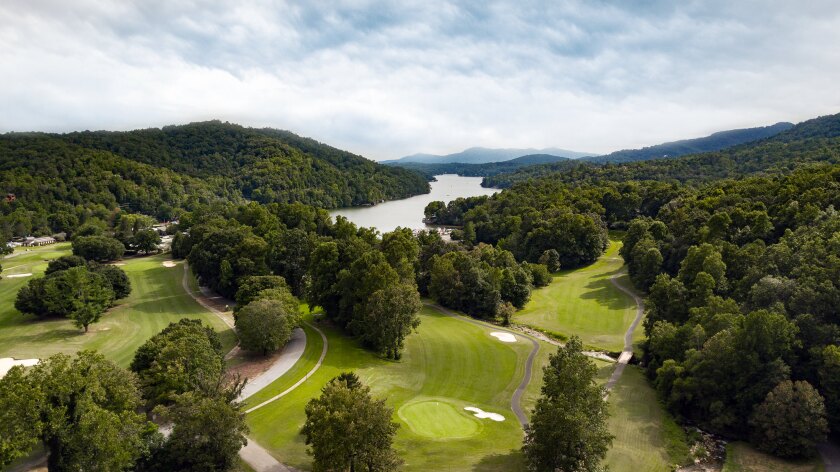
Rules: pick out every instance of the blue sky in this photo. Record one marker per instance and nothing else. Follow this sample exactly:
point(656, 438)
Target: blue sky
point(386, 79)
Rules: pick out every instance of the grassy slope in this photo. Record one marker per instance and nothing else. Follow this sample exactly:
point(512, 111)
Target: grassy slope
point(157, 299)
point(644, 432)
point(741, 457)
point(448, 360)
point(585, 303)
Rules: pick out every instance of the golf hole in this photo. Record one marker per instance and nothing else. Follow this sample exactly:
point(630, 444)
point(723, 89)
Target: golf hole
point(437, 419)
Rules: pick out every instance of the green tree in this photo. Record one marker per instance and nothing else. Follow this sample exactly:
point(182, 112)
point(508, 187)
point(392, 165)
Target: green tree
point(207, 434)
point(791, 420)
point(568, 429)
point(117, 279)
point(829, 374)
point(146, 241)
point(98, 248)
point(251, 286)
point(89, 413)
point(89, 294)
point(64, 263)
point(551, 259)
point(20, 419)
point(346, 428)
point(265, 325)
point(185, 356)
point(390, 315)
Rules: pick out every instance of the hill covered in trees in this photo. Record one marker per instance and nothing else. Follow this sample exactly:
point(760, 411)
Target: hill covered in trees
point(713, 142)
point(816, 140)
point(56, 181)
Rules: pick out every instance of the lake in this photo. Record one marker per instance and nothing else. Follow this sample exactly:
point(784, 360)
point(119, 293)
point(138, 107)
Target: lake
point(408, 212)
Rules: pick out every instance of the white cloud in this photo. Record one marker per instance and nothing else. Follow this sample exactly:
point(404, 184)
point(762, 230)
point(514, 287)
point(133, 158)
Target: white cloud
point(388, 79)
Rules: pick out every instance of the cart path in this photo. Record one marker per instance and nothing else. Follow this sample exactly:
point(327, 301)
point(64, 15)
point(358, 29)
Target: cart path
point(627, 353)
point(516, 400)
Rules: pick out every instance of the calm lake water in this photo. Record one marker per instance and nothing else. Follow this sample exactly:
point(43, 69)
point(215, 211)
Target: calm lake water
point(408, 213)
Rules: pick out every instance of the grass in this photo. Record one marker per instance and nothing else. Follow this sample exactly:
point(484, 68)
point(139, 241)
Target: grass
point(741, 457)
point(447, 361)
point(585, 303)
point(646, 437)
point(157, 299)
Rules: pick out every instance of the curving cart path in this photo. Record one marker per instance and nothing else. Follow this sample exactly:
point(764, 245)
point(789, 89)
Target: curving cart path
point(627, 352)
point(516, 400)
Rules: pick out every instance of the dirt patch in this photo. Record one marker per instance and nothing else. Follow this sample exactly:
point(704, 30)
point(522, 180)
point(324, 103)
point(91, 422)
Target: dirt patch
point(249, 365)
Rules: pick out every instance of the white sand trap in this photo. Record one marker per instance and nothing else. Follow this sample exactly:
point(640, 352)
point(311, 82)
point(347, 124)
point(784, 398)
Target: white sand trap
point(169, 263)
point(16, 276)
point(118, 264)
point(504, 337)
point(481, 414)
point(7, 363)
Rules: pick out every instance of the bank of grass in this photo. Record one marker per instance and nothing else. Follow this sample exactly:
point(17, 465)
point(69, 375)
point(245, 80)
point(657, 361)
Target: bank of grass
point(741, 457)
point(157, 299)
point(584, 302)
point(646, 437)
point(447, 361)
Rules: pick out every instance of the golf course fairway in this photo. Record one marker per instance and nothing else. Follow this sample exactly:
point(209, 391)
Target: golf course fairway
point(448, 365)
point(157, 299)
point(586, 303)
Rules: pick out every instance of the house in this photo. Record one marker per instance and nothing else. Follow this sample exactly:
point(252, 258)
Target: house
point(42, 241)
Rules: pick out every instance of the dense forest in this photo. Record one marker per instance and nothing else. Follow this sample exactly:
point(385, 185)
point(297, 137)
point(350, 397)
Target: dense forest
point(53, 183)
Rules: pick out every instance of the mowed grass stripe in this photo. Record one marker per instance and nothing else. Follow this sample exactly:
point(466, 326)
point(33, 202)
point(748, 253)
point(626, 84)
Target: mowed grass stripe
point(585, 303)
point(448, 360)
point(157, 299)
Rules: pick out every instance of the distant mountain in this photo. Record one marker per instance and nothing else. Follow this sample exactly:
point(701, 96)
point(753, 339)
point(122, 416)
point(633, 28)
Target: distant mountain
point(808, 143)
point(480, 155)
point(713, 142)
point(532, 159)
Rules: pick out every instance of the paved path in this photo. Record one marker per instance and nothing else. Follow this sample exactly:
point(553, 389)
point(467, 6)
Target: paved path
point(304, 379)
point(516, 400)
point(627, 353)
point(290, 355)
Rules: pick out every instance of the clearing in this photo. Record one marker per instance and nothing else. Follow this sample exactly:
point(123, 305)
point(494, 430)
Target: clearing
point(584, 302)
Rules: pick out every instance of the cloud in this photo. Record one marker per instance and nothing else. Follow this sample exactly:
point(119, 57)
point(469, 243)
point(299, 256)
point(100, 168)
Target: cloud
point(385, 79)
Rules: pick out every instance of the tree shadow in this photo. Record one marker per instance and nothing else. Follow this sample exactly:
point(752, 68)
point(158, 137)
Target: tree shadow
point(512, 460)
point(604, 292)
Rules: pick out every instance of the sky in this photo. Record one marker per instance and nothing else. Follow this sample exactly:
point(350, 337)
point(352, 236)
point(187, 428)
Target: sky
point(387, 79)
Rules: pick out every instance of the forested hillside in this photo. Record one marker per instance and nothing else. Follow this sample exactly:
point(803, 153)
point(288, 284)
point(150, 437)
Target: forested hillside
point(54, 182)
point(713, 142)
point(816, 140)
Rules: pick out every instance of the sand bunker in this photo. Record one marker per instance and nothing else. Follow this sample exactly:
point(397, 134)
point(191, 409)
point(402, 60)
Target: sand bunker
point(118, 264)
point(15, 276)
point(7, 363)
point(169, 263)
point(481, 414)
point(504, 337)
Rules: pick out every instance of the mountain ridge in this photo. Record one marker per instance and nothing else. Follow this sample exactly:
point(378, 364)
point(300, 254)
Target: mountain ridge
point(483, 155)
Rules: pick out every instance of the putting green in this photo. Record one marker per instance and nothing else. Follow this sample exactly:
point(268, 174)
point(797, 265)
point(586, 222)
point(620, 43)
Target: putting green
point(438, 419)
point(447, 361)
